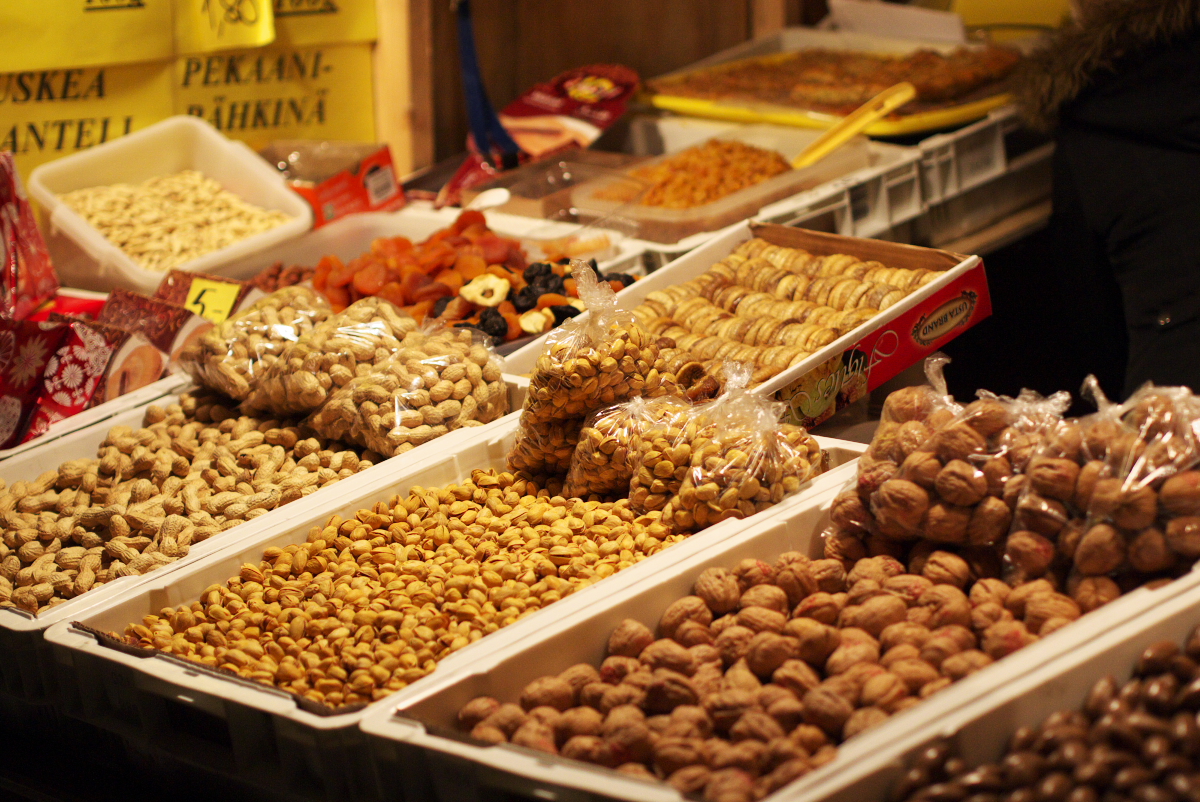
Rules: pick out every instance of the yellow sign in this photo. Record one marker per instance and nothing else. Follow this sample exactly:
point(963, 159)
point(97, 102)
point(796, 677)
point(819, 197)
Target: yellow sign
point(204, 26)
point(281, 93)
point(212, 300)
point(53, 113)
point(300, 23)
point(82, 33)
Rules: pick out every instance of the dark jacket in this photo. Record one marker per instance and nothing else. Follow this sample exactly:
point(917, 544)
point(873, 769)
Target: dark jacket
point(1121, 90)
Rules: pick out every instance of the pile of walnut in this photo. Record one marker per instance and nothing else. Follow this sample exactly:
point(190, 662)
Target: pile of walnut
point(754, 679)
point(195, 469)
point(368, 605)
point(772, 306)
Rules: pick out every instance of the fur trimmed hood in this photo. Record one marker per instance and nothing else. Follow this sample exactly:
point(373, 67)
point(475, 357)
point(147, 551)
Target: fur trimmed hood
point(1082, 51)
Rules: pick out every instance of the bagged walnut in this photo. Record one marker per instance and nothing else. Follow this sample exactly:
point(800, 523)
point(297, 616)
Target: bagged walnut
point(236, 352)
point(440, 379)
point(602, 462)
point(594, 360)
point(350, 343)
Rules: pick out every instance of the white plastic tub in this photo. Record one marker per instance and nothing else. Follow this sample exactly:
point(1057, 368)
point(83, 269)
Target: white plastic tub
point(259, 734)
point(421, 757)
point(84, 258)
point(25, 668)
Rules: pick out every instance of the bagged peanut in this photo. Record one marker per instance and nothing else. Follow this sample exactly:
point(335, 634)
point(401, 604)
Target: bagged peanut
point(602, 462)
point(351, 343)
point(238, 351)
point(440, 379)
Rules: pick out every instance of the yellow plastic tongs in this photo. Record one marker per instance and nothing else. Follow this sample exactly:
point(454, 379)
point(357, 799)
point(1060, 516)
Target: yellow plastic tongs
point(876, 108)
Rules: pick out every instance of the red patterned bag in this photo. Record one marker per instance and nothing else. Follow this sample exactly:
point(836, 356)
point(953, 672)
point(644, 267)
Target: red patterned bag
point(27, 279)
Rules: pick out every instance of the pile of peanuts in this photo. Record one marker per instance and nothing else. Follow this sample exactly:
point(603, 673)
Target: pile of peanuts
point(756, 677)
point(1138, 740)
point(367, 605)
point(194, 469)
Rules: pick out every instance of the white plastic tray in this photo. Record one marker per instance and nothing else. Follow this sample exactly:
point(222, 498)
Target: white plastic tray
point(82, 255)
point(263, 737)
point(421, 758)
point(25, 670)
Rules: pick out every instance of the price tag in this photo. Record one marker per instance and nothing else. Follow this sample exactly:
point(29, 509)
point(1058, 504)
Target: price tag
point(212, 300)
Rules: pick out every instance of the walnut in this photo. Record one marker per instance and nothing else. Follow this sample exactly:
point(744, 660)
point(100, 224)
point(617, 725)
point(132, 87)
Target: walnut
point(989, 590)
point(921, 468)
point(637, 770)
point(987, 416)
point(674, 753)
point(1064, 440)
point(1029, 553)
point(844, 546)
point(914, 673)
point(769, 596)
point(945, 523)
point(899, 507)
point(709, 678)
point(1004, 638)
point(783, 774)
point(668, 690)
point(862, 720)
point(901, 651)
point(693, 633)
point(816, 640)
point(939, 647)
point(719, 590)
point(1019, 447)
point(733, 643)
point(909, 437)
point(946, 568)
point(1138, 508)
point(1053, 478)
point(1052, 625)
point(690, 780)
point(1183, 535)
point(730, 784)
point(535, 734)
point(727, 707)
point(1085, 484)
point(850, 654)
point(1180, 495)
point(1013, 490)
point(750, 572)
point(849, 513)
point(1043, 606)
point(1040, 514)
point(907, 587)
point(740, 676)
point(880, 569)
point(546, 715)
point(476, 711)
point(883, 691)
point(629, 638)
point(861, 591)
point(880, 546)
point(783, 750)
point(788, 711)
point(592, 693)
point(967, 662)
point(922, 616)
point(793, 574)
point(903, 632)
point(870, 477)
point(623, 694)
point(689, 608)
point(1151, 552)
point(875, 614)
point(940, 684)
point(762, 619)
point(986, 614)
point(960, 484)
point(827, 710)
point(909, 403)
point(948, 604)
point(768, 651)
point(666, 653)
point(507, 718)
point(755, 725)
point(1016, 598)
point(690, 721)
point(796, 676)
point(578, 721)
point(631, 742)
point(488, 734)
point(957, 441)
point(723, 623)
point(589, 749)
point(579, 675)
point(616, 668)
point(830, 575)
point(1102, 550)
point(771, 693)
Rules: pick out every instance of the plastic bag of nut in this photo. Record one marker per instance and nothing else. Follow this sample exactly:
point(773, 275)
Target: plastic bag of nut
point(440, 379)
point(350, 343)
point(741, 461)
point(1113, 497)
point(602, 463)
point(233, 353)
point(952, 485)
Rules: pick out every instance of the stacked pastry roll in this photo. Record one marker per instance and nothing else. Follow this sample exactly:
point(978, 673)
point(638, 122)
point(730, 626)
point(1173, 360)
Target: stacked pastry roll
point(773, 306)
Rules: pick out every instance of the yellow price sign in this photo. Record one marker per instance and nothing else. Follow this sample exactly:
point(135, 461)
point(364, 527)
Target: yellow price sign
point(212, 300)
point(203, 26)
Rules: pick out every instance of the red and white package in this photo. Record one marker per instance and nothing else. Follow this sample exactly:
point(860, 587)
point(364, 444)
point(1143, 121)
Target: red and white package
point(27, 278)
point(25, 350)
point(168, 327)
point(570, 111)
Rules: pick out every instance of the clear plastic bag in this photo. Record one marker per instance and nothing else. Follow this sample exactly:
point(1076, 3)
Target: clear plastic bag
point(351, 343)
point(602, 464)
point(440, 379)
point(232, 355)
point(595, 360)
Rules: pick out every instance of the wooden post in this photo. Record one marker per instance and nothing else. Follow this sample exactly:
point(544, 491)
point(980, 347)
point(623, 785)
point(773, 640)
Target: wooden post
point(767, 17)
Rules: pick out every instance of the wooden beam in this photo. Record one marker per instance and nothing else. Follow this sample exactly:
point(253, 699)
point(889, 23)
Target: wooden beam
point(392, 83)
point(767, 17)
point(421, 72)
